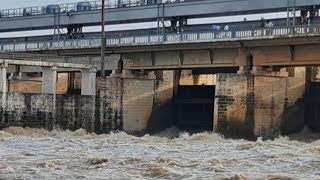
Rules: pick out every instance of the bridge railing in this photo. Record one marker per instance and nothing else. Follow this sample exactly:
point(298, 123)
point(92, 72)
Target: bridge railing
point(187, 37)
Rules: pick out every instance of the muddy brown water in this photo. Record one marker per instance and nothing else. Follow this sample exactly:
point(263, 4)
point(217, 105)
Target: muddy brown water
point(39, 154)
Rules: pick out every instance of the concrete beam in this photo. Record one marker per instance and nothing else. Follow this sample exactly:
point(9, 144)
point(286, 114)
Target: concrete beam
point(46, 64)
point(299, 55)
point(185, 59)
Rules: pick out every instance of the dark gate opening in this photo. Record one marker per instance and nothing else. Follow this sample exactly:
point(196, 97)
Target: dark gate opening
point(193, 108)
point(312, 107)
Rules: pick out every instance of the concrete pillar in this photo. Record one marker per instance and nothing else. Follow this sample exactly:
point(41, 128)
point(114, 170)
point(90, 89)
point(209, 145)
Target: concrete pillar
point(49, 80)
point(176, 81)
point(88, 82)
point(3, 78)
point(308, 78)
point(241, 70)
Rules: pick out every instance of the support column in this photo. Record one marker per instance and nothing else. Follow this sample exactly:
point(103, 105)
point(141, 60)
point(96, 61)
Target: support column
point(176, 82)
point(3, 78)
point(88, 82)
point(308, 79)
point(49, 80)
point(3, 84)
point(71, 78)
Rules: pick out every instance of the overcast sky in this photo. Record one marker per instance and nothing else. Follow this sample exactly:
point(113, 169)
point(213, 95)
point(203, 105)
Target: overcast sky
point(10, 4)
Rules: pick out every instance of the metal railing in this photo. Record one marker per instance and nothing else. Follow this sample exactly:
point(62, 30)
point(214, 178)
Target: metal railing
point(188, 37)
point(71, 7)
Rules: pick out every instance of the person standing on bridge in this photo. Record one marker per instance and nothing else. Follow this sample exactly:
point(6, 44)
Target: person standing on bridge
point(263, 25)
point(269, 24)
point(226, 27)
point(269, 27)
point(215, 27)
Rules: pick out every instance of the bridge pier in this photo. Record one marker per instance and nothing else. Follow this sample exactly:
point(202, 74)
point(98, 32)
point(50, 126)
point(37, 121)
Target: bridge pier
point(136, 102)
point(262, 104)
point(49, 80)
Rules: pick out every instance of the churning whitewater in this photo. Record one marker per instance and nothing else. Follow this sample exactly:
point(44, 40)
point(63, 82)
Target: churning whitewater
point(39, 154)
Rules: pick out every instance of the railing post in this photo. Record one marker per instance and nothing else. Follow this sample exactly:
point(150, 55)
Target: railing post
point(233, 34)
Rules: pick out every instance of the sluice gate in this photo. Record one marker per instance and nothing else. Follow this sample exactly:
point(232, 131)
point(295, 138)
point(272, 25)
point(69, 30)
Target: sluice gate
point(193, 108)
point(312, 107)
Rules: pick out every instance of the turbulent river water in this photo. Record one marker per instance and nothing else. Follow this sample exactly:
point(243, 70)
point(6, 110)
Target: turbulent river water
point(39, 154)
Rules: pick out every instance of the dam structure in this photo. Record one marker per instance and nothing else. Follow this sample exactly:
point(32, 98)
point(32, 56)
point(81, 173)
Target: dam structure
point(245, 81)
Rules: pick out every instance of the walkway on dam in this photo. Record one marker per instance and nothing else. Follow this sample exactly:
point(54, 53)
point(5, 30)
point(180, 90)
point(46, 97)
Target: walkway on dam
point(168, 39)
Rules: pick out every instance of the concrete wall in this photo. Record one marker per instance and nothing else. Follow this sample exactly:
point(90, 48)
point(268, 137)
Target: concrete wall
point(120, 104)
point(130, 102)
point(48, 111)
point(258, 105)
point(230, 109)
point(163, 111)
point(138, 99)
point(109, 104)
point(164, 88)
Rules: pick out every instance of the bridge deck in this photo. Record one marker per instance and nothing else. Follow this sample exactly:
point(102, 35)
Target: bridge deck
point(166, 40)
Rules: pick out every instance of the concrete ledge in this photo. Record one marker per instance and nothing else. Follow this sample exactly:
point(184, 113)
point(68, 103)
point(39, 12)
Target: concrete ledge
point(46, 64)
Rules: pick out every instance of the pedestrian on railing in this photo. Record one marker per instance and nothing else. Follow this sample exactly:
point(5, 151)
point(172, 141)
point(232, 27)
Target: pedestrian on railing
point(215, 28)
point(226, 27)
point(269, 27)
point(304, 17)
point(269, 24)
point(224, 33)
point(262, 25)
